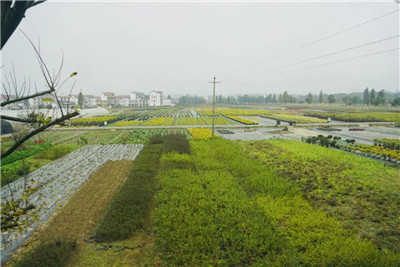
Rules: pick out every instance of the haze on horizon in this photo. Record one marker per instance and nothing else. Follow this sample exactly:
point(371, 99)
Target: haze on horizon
point(178, 47)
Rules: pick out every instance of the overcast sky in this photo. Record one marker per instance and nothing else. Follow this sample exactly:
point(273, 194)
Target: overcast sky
point(178, 47)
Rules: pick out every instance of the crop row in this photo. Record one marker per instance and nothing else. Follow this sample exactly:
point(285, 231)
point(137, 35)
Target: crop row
point(358, 117)
point(218, 120)
point(126, 123)
point(159, 121)
point(217, 206)
point(377, 151)
point(291, 118)
point(233, 112)
point(333, 141)
point(204, 218)
point(94, 121)
point(131, 205)
point(58, 180)
point(200, 133)
point(388, 143)
point(241, 120)
point(357, 191)
point(189, 121)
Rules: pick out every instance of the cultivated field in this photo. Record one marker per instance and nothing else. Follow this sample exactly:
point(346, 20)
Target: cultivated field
point(57, 181)
point(313, 194)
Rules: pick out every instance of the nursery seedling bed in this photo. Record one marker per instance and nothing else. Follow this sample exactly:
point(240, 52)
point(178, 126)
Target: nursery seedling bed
point(77, 219)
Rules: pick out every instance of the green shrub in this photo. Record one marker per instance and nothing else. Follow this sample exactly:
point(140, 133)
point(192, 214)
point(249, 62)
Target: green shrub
point(24, 153)
point(131, 204)
point(48, 254)
point(178, 143)
point(203, 218)
point(56, 152)
point(156, 139)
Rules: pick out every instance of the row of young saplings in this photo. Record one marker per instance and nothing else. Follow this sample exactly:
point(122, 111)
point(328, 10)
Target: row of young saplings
point(375, 151)
point(329, 141)
point(388, 143)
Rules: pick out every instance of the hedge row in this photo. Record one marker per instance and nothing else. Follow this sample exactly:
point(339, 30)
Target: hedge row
point(131, 205)
point(53, 253)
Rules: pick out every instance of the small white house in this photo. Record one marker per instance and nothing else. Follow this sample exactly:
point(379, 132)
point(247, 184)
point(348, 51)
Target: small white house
point(155, 99)
point(137, 99)
point(108, 99)
point(89, 101)
point(123, 100)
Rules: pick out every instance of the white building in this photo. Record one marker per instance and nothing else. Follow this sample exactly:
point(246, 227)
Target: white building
point(137, 99)
point(108, 99)
point(155, 99)
point(73, 99)
point(123, 100)
point(45, 101)
point(89, 101)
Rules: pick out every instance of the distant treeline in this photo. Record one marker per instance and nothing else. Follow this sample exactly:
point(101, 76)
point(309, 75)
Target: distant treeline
point(367, 97)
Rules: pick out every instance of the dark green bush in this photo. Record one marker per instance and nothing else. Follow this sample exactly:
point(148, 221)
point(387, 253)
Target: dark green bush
point(156, 139)
point(48, 253)
point(131, 204)
point(178, 143)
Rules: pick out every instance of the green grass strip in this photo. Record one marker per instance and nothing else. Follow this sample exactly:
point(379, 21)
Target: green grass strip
point(130, 205)
point(24, 153)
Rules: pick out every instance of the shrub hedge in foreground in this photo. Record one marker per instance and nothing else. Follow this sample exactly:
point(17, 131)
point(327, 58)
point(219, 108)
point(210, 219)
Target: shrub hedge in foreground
point(129, 206)
point(132, 203)
point(48, 253)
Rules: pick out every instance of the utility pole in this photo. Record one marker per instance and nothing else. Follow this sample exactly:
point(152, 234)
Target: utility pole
point(214, 82)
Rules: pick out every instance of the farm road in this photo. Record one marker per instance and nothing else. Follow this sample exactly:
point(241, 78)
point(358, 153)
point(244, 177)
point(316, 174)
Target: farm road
point(220, 126)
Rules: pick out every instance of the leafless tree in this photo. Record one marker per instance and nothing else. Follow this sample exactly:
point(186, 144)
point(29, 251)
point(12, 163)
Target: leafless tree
point(29, 125)
point(12, 13)
point(40, 121)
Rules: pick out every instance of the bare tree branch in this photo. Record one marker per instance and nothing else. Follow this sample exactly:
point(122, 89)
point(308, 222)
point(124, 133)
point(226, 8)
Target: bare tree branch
point(36, 131)
point(5, 103)
point(43, 67)
point(9, 118)
point(35, 3)
point(58, 76)
point(12, 13)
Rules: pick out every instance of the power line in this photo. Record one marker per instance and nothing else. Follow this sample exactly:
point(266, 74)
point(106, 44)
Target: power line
point(321, 56)
point(317, 41)
point(337, 61)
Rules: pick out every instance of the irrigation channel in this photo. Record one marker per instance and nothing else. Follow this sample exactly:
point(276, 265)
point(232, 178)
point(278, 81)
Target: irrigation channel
point(56, 182)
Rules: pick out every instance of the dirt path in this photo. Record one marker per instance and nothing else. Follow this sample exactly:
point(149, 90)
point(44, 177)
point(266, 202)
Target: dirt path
point(78, 218)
